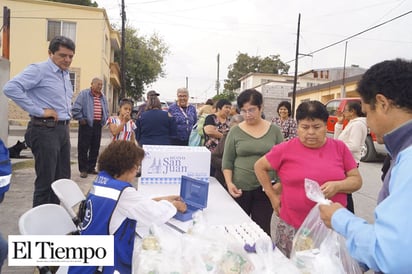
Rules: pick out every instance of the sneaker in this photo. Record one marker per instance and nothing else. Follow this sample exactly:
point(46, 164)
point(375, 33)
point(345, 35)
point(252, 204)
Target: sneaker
point(92, 171)
point(83, 174)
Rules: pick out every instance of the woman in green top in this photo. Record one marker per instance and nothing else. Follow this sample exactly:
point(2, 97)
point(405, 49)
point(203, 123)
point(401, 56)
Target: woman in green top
point(245, 144)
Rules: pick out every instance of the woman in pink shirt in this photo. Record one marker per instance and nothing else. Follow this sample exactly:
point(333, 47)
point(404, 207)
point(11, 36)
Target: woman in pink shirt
point(311, 155)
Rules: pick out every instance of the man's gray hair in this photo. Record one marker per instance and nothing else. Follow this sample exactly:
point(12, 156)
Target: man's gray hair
point(182, 90)
point(97, 79)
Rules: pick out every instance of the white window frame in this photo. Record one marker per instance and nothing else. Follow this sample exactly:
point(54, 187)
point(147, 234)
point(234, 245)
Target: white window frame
point(73, 76)
point(67, 29)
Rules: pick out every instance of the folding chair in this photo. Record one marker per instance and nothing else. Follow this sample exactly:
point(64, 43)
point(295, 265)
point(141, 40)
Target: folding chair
point(70, 195)
point(47, 219)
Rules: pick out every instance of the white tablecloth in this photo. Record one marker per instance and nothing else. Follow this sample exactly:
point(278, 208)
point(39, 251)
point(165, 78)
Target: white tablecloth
point(222, 212)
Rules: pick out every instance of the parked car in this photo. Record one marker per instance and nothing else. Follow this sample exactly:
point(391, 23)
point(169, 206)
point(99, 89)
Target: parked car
point(371, 150)
point(135, 110)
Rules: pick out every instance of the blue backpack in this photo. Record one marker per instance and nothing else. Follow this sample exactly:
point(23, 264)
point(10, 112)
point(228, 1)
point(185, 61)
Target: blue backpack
point(5, 169)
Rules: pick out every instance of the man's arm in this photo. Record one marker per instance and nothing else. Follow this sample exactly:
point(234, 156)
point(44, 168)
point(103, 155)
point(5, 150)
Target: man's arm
point(77, 109)
point(17, 88)
point(385, 245)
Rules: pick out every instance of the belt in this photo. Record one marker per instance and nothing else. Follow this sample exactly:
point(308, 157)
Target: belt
point(48, 122)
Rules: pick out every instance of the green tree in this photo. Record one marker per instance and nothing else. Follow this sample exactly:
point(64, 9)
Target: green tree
point(144, 61)
point(245, 64)
point(226, 94)
point(77, 2)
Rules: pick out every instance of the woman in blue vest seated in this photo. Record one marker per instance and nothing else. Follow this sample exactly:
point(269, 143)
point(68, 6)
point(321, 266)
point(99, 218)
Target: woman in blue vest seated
point(114, 206)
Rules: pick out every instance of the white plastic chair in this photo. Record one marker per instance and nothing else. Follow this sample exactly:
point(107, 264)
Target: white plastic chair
point(70, 195)
point(47, 219)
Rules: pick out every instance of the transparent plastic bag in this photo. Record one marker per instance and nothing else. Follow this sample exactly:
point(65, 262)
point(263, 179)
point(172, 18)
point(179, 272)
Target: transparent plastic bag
point(316, 248)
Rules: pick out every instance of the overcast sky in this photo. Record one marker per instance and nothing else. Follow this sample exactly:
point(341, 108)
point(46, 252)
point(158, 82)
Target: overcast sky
point(196, 31)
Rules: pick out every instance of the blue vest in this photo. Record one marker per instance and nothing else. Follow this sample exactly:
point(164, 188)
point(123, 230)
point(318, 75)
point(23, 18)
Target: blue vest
point(5, 170)
point(101, 202)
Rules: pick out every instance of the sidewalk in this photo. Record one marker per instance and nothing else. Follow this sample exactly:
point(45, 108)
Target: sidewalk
point(20, 196)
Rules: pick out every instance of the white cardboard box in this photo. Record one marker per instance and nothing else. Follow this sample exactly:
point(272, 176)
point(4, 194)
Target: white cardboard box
point(167, 164)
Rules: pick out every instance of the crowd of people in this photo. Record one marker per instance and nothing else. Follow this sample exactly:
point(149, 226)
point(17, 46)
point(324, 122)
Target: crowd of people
point(262, 164)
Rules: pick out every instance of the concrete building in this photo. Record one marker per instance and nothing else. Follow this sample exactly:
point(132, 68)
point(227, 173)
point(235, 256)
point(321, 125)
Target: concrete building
point(34, 23)
point(328, 91)
point(276, 88)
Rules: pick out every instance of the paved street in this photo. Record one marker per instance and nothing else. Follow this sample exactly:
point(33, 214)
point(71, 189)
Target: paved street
point(19, 198)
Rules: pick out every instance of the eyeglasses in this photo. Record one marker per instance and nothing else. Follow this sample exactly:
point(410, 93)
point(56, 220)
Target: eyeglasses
point(248, 111)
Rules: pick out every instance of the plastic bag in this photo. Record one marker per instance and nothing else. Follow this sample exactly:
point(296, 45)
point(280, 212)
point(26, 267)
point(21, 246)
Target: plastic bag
point(316, 248)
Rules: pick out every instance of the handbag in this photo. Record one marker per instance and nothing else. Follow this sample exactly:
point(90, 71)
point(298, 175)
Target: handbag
point(194, 138)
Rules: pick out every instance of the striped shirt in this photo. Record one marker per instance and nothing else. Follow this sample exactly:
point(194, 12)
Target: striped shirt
point(127, 131)
point(97, 108)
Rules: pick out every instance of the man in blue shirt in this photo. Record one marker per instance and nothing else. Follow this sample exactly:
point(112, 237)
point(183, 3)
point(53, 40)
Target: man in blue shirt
point(44, 90)
point(385, 246)
point(91, 110)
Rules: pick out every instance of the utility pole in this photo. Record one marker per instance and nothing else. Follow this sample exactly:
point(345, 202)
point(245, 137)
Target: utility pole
point(295, 80)
point(217, 78)
point(343, 89)
point(6, 33)
point(187, 82)
point(122, 56)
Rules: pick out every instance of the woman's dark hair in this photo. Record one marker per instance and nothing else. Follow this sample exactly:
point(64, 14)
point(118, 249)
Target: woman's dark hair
point(251, 96)
point(312, 110)
point(222, 102)
point(209, 102)
point(153, 102)
point(287, 105)
point(125, 101)
point(61, 41)
point(356, 106)
point(120, 157)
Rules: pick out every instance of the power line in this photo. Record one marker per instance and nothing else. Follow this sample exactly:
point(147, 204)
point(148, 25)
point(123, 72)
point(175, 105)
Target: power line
point(59, 18)
point(352, 36)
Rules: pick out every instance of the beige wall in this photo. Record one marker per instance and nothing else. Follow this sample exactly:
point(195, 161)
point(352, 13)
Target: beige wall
point(28, 38)
point(325, 94)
